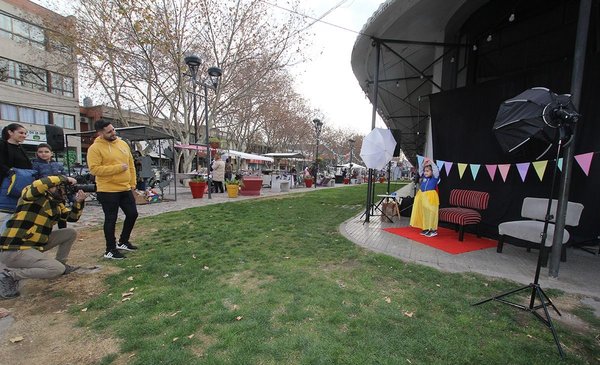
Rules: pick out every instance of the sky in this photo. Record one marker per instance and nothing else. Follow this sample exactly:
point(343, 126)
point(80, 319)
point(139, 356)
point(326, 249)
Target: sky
point(327, 80)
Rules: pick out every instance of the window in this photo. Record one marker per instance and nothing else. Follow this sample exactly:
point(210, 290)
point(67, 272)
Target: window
point(22, 114)
point(64, 120)
point(62, 85)
point(33, 77)
point(9, 112)
point(36, 78)
point(21, 31)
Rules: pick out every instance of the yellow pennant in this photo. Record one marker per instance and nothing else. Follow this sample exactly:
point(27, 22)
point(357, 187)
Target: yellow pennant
point(540, 168)
point(461, 169)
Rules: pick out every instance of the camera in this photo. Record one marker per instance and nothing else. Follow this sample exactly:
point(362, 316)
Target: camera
point(73, 189)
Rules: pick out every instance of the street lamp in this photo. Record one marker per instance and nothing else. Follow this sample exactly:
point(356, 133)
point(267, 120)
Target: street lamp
point(318, 125)
point(212, 81)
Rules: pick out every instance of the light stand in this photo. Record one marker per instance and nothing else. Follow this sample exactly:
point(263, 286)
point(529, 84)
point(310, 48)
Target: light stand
point(318, 126)
point(212, 82)
point(536, 290)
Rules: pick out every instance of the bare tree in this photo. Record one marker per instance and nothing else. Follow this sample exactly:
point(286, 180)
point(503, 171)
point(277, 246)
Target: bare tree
point(132, 51)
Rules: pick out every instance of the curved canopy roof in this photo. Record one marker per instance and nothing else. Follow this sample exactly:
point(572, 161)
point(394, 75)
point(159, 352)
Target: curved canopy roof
point(411, 35)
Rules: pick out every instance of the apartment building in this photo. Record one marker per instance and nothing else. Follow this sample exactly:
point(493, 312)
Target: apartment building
point(38, 73)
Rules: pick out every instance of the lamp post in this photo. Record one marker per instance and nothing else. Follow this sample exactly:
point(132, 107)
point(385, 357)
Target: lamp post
point(351, 141)
point(212, 81)
point(318, 126)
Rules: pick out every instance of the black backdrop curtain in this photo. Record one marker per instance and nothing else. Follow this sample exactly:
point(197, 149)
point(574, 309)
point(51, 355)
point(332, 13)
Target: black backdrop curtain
point(462, 121)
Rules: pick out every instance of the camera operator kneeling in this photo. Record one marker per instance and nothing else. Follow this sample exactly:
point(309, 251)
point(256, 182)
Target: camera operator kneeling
point(28, 233)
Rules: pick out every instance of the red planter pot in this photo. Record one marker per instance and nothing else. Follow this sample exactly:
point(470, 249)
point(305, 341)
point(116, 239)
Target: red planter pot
point(197, 189)
point(308, 183)
point(252, 185)
point(346, 181)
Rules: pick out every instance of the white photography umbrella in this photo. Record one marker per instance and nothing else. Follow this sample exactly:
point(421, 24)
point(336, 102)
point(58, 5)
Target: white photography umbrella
point(378, 148)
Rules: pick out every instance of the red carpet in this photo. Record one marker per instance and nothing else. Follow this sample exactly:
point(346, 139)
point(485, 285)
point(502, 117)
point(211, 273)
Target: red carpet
point(446, 240)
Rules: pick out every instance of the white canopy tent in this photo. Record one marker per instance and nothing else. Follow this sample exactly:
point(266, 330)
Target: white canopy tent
point(354, 166)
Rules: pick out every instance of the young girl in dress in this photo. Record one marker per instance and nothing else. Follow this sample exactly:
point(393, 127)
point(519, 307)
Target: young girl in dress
point(427, 202)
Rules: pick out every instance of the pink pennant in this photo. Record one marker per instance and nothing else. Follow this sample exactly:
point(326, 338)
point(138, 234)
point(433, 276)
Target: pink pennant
point(504, 170)
point(447, 166)
point(585, 160)
point(523, 168)
point(491, 169)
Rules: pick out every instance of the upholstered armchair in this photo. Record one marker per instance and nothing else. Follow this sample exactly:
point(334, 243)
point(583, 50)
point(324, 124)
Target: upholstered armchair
point(529, 231)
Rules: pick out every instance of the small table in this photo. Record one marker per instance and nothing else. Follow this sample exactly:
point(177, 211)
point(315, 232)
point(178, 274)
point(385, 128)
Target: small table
point(386, 198)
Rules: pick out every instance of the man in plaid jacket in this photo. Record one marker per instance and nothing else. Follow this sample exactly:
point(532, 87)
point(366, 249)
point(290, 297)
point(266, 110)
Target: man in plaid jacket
point(29, 233)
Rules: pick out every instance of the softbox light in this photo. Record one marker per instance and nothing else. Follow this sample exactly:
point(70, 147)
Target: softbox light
point(532, 118)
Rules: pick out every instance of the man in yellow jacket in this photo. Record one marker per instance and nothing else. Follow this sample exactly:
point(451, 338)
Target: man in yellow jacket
point(111, 162)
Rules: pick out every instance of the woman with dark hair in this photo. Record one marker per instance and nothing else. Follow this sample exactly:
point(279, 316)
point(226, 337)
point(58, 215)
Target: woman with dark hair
point(11, 152)
point(12, 155)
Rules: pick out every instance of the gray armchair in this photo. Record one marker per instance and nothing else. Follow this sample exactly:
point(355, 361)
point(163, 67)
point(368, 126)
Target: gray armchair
point(530, 231)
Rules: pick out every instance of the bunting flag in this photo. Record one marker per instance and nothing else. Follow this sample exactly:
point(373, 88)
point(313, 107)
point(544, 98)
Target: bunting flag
point(475, 170)
point(585, 161)
point(491, 169)
point(461, 169)
point(523, 168)
point(440, 164)
point(504, 171)
point(559, 164)
point(540, 168)
point(448, 167)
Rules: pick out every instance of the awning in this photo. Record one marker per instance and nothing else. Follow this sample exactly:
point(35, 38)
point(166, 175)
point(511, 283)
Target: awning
point(246, 156)
point(284, 155)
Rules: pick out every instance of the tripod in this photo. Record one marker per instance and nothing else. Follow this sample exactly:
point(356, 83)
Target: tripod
point(537, 293)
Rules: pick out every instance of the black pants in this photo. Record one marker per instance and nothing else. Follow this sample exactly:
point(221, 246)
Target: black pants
point(218, 186)
point(111, 202)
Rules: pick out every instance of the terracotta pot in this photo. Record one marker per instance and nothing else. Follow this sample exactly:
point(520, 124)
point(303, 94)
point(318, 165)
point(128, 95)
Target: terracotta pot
point(346, 181)
point(232, 190)
point(308, 183)
point(197, 189)
point(252, 185)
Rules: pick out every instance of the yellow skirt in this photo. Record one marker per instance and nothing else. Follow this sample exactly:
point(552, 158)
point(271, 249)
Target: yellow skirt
point(425, 210)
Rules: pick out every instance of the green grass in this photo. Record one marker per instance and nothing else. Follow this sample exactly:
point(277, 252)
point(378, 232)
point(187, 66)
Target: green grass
point(271, 281)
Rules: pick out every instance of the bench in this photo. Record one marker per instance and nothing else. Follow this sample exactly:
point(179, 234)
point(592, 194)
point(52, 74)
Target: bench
point(466, 208)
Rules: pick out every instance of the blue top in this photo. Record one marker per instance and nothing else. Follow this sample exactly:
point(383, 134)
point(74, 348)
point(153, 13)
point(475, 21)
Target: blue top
point(47, 168)
point(429, 183)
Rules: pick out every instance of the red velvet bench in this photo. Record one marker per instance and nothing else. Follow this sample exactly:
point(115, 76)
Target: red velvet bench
point(466, 208)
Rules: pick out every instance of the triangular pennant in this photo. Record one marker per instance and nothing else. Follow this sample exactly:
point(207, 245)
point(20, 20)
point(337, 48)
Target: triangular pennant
point(491, 169)
point(585, 160)
point(523, 168)
point(440, 164)
point(420, 160)
point(559, 164)
point(504, 170)
point(540, 168)
point(448, 167)
point(461, 169)
point(475, 170)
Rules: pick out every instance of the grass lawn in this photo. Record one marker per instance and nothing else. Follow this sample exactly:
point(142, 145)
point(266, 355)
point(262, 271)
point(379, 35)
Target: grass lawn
point(271, 281)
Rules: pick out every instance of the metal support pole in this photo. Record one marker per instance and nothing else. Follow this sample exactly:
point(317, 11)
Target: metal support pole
point(317, 161)
point(370, 186)
point(208, 156)
point(565, 181)
point(195, 116)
